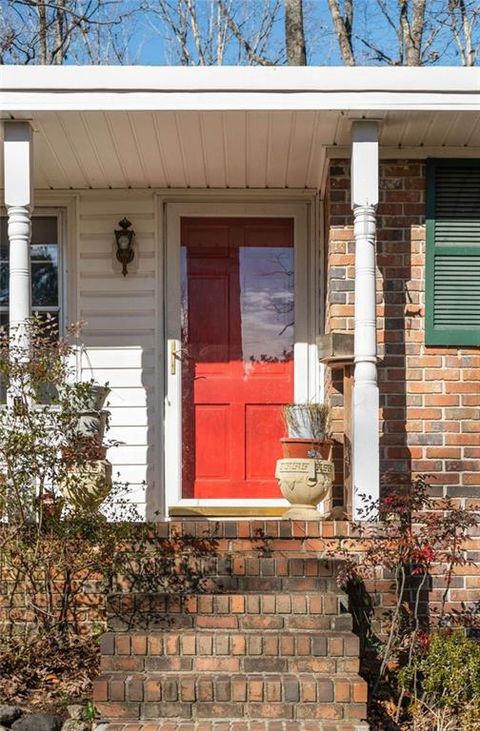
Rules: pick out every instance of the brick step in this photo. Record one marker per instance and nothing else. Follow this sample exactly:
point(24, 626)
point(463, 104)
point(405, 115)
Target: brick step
point(258, 532)
point(265, 638)
point(226, 583)
point(252, 651)
point(211, 695)
point(259, 563)
point(230, 603)
point(228, 611)
point(245, 565)
point(239, 572)
point(225, 725)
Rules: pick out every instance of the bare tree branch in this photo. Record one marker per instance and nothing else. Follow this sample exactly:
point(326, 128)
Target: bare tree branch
point(253, 57)
point(46, 31)
point(463, 21)
point(196, 31)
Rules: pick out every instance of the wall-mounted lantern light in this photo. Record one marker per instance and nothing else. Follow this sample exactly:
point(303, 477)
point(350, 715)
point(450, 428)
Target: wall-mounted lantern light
point(124, 237)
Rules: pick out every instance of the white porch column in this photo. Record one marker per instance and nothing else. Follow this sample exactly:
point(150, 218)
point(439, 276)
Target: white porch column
point(19, 204)
point(366, 469)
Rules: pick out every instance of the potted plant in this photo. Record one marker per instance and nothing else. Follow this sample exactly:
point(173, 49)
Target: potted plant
point(308, 431)
point(87, 476)
point(88, 396)
point(86, 483)
point(305, 474)
point(85, 401)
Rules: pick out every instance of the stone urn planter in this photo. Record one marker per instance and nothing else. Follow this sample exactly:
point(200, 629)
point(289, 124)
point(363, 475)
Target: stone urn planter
point(87, 484)
point(305, 483)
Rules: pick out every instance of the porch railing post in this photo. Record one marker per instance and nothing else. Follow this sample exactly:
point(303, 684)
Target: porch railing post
point(366, 469)
point(19, 204)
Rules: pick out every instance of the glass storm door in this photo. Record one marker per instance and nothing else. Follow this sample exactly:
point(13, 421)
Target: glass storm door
point(237, 337)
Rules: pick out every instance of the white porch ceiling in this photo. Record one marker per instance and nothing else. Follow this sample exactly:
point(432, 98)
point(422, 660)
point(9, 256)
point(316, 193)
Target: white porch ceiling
point(184, 149)
point(223, 149)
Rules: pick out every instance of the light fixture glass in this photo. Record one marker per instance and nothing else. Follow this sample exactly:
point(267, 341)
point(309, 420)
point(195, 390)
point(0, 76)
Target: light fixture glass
point(123, 242)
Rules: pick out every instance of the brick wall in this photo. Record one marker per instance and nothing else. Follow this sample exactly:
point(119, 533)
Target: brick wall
point(17, 617)
point(286, 549)
point(429, 396)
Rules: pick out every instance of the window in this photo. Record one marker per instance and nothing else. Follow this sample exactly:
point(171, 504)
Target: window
point(452, 308)
point(44, 261)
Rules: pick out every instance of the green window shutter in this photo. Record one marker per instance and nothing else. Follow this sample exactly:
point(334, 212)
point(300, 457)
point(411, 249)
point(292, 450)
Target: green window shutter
point(452, 307)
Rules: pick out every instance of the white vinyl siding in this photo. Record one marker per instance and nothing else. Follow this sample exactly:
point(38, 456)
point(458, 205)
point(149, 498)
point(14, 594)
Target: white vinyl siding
point(120, 315)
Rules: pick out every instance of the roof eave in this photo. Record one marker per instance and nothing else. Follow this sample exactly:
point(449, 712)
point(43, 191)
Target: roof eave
point(356, 90)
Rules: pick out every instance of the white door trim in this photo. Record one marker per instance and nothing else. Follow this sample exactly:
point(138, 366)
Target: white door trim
point(307, 277)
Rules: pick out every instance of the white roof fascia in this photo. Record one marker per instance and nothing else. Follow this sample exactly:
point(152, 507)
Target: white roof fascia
point(73, 88)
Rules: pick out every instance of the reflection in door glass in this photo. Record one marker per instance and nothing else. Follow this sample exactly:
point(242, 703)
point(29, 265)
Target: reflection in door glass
point(266, 303)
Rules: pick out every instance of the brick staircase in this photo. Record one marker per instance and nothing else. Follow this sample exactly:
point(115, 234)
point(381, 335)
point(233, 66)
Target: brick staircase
point(267, 646)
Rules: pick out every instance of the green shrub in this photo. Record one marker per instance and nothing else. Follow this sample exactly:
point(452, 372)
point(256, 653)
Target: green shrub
point(449, 673)
point(444, 684)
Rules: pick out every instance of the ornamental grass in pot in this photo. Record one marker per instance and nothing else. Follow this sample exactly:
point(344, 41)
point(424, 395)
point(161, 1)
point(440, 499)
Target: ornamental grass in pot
point(305, 474)
point(308, 431)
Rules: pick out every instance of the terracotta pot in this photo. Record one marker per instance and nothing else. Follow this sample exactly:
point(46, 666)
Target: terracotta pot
point(295, 448)
point(52, 505)
point(88, 448)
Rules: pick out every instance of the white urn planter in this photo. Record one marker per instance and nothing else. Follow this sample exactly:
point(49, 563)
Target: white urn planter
point(305, 483)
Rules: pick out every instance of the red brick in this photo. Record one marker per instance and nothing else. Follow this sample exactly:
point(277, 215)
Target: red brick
point(139, 644)
point(122, 645)
point(223, 622)
point(342, 691)
point(237, 604)
point(238, 645)
point(100, 690)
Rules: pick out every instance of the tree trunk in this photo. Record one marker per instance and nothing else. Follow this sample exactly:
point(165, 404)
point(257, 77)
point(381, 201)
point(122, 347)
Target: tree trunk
point(343, 28)
point(462, 29)
point(412, 31)
point(294, 33)
point(42, 32)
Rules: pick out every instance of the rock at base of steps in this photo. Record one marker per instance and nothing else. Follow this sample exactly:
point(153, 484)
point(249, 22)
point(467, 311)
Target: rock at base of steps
point(38, 722)
point(9, 714)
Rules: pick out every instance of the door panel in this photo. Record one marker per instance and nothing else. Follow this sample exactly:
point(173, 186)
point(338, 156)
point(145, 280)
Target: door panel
point(237, 353)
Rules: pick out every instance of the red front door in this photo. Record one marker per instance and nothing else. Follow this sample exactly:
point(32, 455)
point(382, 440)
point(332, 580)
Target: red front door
point(237, 341)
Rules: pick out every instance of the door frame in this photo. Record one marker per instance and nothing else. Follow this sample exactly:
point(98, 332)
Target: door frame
point(307, 382)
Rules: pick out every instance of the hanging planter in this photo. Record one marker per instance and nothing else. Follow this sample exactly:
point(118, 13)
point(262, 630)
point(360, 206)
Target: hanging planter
point(91, 425)
point(85, 397)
